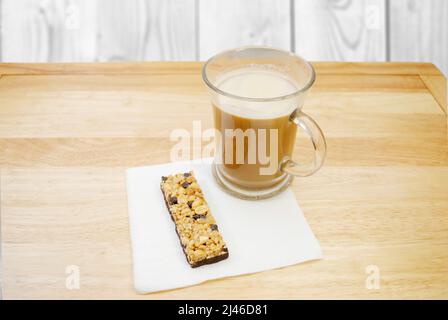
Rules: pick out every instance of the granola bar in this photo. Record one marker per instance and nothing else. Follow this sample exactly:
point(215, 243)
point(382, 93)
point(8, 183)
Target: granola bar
point(197, 230)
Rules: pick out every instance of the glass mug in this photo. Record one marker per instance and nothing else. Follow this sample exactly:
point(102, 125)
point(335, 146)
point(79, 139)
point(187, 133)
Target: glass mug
point(257, 94)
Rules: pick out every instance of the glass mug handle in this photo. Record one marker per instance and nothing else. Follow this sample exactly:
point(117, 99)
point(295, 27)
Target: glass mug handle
point(310, 126)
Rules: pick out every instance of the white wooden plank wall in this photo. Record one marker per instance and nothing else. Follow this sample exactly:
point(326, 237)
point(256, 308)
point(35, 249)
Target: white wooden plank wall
point(48, 30)
point(332, 30)
point(146, 30)
point(232, 23)
point(97, 30)
point(340, 30)
point(419, 31)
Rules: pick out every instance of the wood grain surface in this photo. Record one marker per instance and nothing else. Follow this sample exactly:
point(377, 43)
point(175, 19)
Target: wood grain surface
point(97, 30)
point(186, 30)
point(347, 30)
point(41, 31)
point(69, 131)
point(416, 26)
point(146, 30)
point(233, 23)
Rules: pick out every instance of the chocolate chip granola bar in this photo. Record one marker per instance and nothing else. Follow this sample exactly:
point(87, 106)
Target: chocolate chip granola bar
point(197, 230)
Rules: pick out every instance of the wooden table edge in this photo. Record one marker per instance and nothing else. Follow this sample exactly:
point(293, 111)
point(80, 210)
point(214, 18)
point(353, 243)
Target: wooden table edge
point(156, 67)
point(429, 74)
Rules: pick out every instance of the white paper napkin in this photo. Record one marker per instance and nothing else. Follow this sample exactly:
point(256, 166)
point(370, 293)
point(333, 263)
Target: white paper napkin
point(260, 235)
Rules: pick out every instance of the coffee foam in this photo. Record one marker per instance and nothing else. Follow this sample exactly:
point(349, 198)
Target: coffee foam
point(256, 82)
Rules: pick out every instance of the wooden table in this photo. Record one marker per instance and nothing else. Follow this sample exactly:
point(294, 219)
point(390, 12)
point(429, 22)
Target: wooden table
point(68, 131)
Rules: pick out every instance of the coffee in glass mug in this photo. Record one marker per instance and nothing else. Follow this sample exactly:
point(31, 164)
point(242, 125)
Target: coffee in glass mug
point(257, 94)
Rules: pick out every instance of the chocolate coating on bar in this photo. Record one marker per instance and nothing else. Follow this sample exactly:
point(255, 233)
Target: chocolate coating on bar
point(196, 228)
